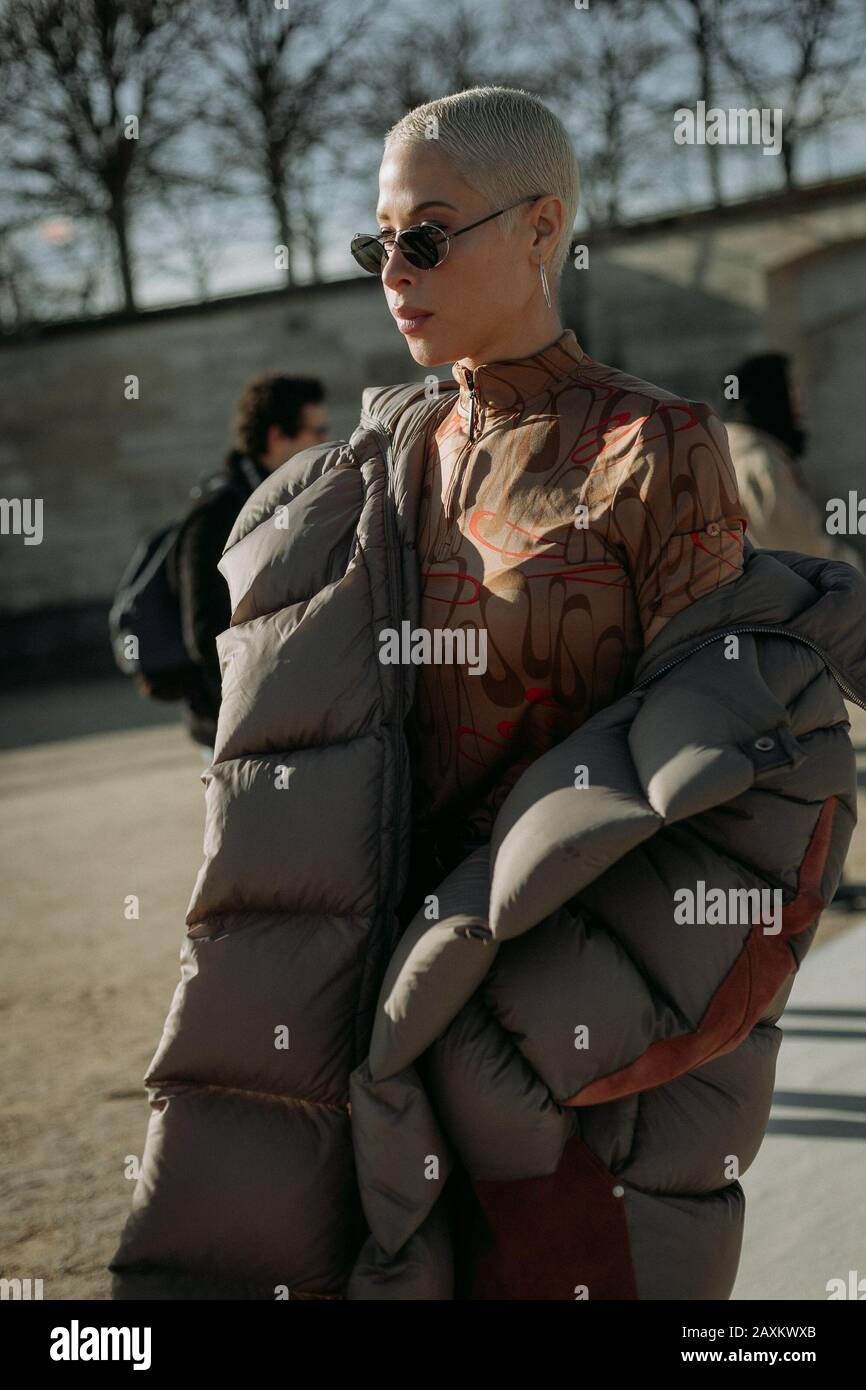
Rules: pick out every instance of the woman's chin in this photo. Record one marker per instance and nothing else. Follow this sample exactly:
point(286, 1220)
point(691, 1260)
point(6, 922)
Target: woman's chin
point(425, 353)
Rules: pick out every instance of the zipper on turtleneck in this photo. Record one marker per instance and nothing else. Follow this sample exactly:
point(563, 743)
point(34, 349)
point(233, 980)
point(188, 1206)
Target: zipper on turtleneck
point(472, 402)
point(460, 462)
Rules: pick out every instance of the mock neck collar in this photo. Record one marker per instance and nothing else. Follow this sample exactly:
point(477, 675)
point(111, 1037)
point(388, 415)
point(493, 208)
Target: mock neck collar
point(514, 381)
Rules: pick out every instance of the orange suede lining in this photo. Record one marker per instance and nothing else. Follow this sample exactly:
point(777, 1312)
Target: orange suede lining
point(563, 1236)
point(755, 977)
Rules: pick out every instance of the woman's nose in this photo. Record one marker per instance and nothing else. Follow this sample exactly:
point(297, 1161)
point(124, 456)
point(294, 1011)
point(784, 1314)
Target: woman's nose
point(397, 271)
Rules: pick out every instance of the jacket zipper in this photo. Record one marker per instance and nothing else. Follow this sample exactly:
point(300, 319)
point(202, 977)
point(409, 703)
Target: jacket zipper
point(472, 404)
point(460, 461)
point(773, 632)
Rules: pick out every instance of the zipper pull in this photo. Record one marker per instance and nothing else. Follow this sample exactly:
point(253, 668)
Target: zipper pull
point(471, 405)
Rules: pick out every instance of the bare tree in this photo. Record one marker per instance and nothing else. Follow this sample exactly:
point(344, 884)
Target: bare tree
point(54, 273)
point(16, 286)
point(697, 23)
point(95, 97)
point(802, 57)
point(284, 78)
point(424, 53)
point(605, 89)
point(199, 240)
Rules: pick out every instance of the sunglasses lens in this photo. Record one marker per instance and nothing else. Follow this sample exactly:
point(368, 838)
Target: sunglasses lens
point(422, 246)
point(369, 253)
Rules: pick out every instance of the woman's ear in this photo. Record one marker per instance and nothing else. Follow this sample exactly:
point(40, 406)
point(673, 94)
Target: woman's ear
point(548, 216)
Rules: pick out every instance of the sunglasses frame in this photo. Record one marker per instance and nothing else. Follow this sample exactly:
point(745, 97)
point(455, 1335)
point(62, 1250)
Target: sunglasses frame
point(427, 228)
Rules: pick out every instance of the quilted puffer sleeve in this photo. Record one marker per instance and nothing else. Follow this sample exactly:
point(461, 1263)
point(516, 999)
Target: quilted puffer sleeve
point(678, 515)
point(614, 976)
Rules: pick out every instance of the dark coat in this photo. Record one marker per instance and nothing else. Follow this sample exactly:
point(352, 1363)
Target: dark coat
point(202, 593)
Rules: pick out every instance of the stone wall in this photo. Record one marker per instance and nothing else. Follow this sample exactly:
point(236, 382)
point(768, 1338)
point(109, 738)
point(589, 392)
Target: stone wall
point(676, 301)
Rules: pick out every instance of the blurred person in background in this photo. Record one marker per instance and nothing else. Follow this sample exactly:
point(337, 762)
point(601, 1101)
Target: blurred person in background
point(767, 442)
point(276, 417)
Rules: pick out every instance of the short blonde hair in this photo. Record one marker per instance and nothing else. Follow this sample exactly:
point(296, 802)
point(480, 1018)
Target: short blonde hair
point(506, 144)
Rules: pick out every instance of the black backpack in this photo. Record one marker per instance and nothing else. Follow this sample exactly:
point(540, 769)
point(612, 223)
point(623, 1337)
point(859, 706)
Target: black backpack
point(144, 621)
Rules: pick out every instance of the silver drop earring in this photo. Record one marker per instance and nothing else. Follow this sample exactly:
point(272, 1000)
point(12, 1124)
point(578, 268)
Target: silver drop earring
point(544, 284)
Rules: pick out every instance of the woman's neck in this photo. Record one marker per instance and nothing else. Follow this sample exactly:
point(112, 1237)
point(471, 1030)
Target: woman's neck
point(520, 343)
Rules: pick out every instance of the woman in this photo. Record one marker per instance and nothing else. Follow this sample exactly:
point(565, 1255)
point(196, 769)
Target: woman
point(500, 683)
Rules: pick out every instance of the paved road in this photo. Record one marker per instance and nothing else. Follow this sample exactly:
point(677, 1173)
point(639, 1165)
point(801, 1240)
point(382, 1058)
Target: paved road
point(84, 990)
point(805, 1211)
point(89, 820)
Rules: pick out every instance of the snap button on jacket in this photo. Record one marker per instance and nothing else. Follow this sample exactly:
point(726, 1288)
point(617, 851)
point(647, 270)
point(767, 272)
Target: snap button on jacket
point(550, 1087)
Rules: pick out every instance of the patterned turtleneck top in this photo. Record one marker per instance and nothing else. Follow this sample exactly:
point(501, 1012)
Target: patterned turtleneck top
point(568, 510)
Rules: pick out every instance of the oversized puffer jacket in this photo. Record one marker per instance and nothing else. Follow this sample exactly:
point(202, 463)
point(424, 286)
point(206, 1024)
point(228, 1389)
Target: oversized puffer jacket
point(547, 1029)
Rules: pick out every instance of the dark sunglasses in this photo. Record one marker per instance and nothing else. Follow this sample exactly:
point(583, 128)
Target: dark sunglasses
point(424, 246)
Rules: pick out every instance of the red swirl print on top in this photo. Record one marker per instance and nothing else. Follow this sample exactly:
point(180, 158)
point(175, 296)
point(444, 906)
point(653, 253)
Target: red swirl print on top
point(558, 439)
